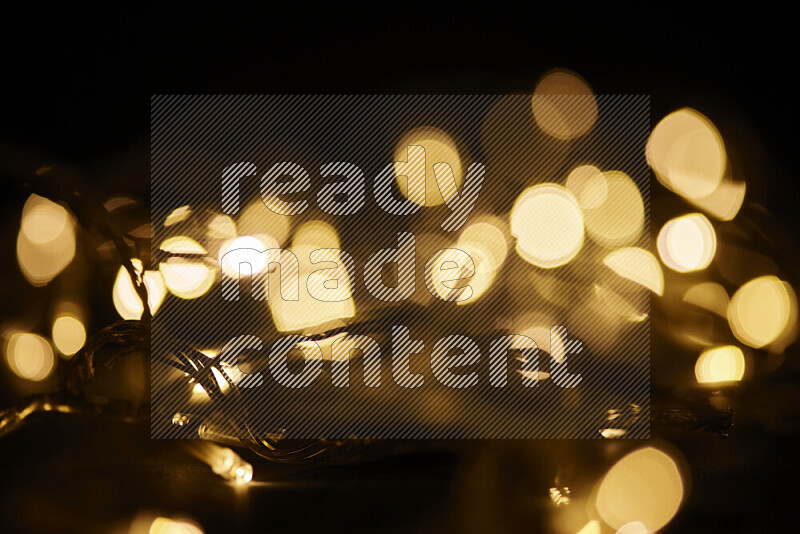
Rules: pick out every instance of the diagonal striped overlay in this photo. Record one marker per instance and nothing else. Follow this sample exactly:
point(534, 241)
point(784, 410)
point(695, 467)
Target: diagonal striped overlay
point(402, 363)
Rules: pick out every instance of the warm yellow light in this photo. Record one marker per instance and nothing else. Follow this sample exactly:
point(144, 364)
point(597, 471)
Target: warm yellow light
point(643, 486)
point(187, 279)
point(178, 215)
point(687, 243)
point(634, 527)
point(182, 245)
point(708, 296)
point(316, 234)
point(245, 249)
point(124, 295)
point(29, 356)
point(720, 364)
point(762, 310)
point(439, 148)
point(69, 334)
point(46, 240)
point(725, 202)
point(43, 220)
point(163, 525)
point(637, 265)
point(547, 222)
point(687, 154)
point(618, 305)
point(564, 106)
point(221, 227)
point(308, 312)
point(489, 238)
point(613, 209)
point(257, 219)
point(587, 184)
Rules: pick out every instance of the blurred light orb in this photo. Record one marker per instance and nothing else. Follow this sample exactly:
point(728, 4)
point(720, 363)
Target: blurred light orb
point(687, 154)
point(548, 224)
point(439, 148)
point(587, 184)
point(178, 215)
point(644, 486)
point(187, 279)
point(634, 527)
point(29, 356)
point(46, 240)
point(613, 209)
point(564, 105)
point(69, 334)
point(257, 219)
point(720, 364)
point(316, 234)
point(761, 311)
point(687, 243)
point(221, 227)
point(489, 239)
point(725, 202)
point(164, 525)
point(637, 265)
point(125, 298)
point(245, 249)
point(44, 220)
point(709, 296)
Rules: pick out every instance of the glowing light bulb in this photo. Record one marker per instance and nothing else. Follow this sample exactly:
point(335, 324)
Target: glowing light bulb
point(69, 334)
point(687, 243)
point(762, 310)
point(548, 224)
point(29, 356)
point(644, 486)
point(720, 364)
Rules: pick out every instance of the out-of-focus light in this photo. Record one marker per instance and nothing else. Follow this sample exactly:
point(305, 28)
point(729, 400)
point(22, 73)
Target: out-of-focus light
point(221, 227)
point(316, 234)
point(587, 184)
point(725, 202)
point(548, 224)
point(69, 334)
point(618, 305)
point(634, 527)
point(182, 244)
point(146, 523)
point(592, 527)
point(308, 312)
point(637, 265)
point(564, 106)
point(687, 243)
point(178, 215)
point(29, 356)
point(124, 295)
point(720, 364)
point(439, 148)
point(616, 215)
point(762, 311)
point(644, 486)
point(46, 240)
point(488, 236)
point(224, 462)
point(43, 220)
point(187, 279)
point(245, 249)
point(613, 433)
point(687, 154)
point(709, 296)
point(257, 219)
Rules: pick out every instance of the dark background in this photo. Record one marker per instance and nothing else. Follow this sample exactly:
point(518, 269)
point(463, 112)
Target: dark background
point(77, 85)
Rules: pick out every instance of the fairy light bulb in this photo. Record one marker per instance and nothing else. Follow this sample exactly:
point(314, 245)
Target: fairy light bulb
point(230, 466)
